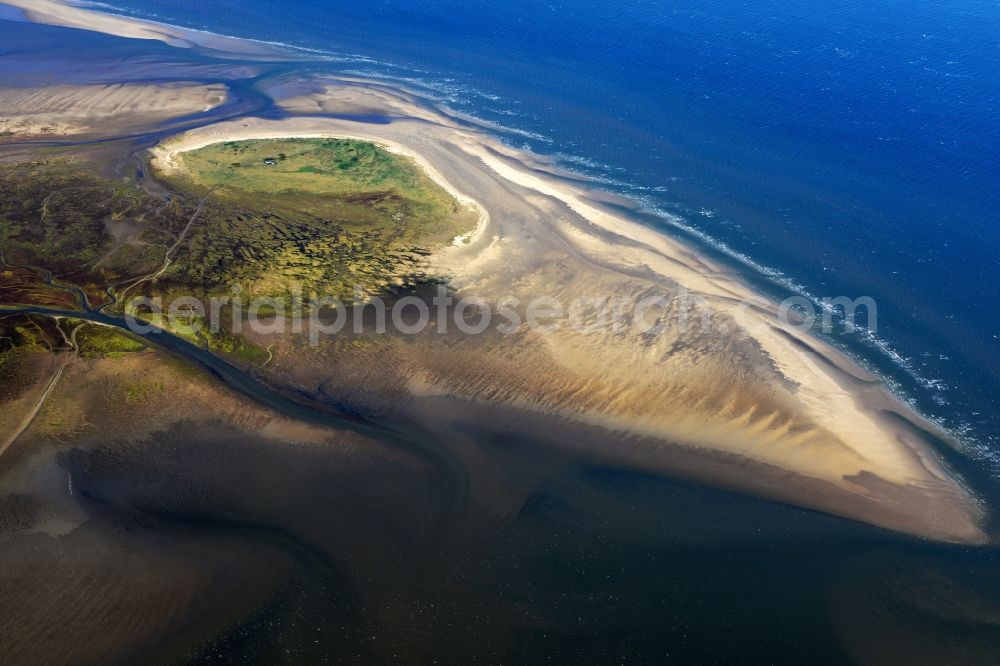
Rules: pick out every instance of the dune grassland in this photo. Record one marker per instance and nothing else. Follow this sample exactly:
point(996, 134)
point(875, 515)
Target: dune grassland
point(325, 215)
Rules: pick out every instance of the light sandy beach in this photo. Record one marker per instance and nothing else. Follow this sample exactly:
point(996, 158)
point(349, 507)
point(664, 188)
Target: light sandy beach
point(54, 12)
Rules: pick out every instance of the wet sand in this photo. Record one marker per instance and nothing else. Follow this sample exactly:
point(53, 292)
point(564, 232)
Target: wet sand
point(151, 502)
point(61, 110)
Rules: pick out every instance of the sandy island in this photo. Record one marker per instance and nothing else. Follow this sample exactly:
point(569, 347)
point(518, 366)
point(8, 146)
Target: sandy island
point(748, 403)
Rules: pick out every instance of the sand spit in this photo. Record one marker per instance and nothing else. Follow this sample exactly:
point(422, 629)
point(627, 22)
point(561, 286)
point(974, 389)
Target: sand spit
point(92, 109)
point(748, 400)
point(54, 12)
point(762, 392)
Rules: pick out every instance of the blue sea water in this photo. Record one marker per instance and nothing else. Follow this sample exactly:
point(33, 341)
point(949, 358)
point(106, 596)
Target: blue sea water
point(846, 148)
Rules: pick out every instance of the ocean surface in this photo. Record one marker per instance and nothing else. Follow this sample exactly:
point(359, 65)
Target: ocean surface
point(828, 148)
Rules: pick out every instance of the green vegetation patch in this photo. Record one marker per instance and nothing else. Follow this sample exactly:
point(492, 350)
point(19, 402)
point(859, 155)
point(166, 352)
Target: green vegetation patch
point(140, 392)
point(236, 347)
point(57, 217)
point(319, 214)
point(20, 337)
point(314, 166)
point(95, 341)
point(11, 351)
point(276, 217)
point(53, 213)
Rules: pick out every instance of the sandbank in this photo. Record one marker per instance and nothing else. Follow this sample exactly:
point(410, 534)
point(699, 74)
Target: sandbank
point(772, 406)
